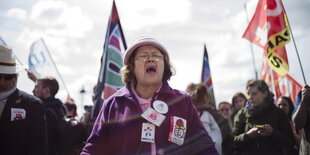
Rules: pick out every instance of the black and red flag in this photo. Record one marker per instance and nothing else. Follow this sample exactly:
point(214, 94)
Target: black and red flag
point(109, 80)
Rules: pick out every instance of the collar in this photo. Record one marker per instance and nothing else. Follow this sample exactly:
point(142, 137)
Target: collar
point(127, 90)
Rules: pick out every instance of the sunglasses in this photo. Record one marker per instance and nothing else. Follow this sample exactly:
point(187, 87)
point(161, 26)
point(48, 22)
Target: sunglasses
point(7, 77)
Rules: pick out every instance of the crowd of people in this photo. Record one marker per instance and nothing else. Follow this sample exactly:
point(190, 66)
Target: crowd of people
point(147, 116)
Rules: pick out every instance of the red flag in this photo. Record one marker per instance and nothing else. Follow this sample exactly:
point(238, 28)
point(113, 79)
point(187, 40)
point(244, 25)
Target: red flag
point(280, 85)
point(268, 29)
point(289, 87)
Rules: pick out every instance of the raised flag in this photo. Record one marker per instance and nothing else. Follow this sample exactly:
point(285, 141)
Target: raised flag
point(268, 29)
point(109, 80)
point(39, 61)
point(280, 85)
point(206, 76)
point(289, 87)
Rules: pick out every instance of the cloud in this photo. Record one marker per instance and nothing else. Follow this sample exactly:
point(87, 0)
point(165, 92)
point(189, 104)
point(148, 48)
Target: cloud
point(137, 14)
point(18, 14)
point(60, 19)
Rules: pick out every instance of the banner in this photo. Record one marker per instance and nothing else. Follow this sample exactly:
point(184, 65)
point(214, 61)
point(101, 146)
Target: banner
point(280, 85)
point(109, 80)
point(268, 29)
point(39, 61)
point(206, 77)
point(289, 87)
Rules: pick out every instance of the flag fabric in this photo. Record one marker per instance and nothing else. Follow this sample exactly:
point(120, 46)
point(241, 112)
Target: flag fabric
point(206, 77)
point(289, 87)
point(269, 29)
point(280, 85)
point(109, 80)
point(2, 42)
point(39, 61)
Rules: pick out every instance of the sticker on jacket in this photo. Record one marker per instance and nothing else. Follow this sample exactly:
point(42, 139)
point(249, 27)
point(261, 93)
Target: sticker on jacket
point(18, 114)
point(160, 106)
point(154, 117)
point(148, 132)
point(177, 130)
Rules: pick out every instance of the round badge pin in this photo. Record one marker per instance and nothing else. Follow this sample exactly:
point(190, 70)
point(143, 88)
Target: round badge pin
point(160, 106)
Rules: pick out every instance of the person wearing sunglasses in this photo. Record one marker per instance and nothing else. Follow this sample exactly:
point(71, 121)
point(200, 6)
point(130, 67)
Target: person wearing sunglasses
point(22, 120)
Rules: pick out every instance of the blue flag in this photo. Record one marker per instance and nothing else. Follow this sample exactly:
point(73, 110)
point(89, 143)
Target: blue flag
point(206, 76)
point(109, 80)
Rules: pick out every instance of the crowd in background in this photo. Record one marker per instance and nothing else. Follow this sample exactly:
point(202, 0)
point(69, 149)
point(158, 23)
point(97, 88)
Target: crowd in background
point(252, 123)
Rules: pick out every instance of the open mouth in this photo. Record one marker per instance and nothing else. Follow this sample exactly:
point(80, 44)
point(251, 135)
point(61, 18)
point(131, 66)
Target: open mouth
point(151, 70)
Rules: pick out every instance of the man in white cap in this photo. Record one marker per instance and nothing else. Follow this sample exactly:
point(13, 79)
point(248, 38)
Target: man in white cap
point(22, 121)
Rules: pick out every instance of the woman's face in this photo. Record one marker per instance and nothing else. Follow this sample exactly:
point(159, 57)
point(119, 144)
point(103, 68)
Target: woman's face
point(225, 109)
point(283, 104)
point(256, 97)
point(149, 65)
point(239, 102)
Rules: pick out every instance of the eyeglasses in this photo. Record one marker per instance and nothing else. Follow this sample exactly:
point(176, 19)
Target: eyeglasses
point(7, 77)
point(146, 57)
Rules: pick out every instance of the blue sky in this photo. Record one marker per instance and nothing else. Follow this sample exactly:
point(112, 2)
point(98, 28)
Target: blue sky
point(74, 32)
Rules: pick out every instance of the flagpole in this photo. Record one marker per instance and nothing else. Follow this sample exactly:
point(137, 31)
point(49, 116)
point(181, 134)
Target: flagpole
point(295, 46)
point(4, 43)
point(18, 59)
point(55, 67)
point(252, 53)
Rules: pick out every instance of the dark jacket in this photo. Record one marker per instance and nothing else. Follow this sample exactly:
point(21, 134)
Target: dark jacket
point(54, 111)
point(28, 135)
point(117, 129)
point(282, 136)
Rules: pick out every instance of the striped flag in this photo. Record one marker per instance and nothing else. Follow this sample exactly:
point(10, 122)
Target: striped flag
point(289, 87)
point(206, 76)
point(269, 29)
point(109, 80)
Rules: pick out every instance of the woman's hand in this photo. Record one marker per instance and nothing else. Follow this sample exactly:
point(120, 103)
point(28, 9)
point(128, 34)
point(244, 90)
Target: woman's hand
point(253, 133)
point(265, 131)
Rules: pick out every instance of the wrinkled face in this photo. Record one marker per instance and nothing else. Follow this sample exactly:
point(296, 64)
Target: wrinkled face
point(239, 102)
point(283, 104)
point(149, 65)
point(256, 97)
point(6, 81)
point(225, 110)
point(38, 89)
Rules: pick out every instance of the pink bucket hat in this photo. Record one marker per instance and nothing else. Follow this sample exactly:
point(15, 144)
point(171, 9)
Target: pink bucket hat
point(141, 41)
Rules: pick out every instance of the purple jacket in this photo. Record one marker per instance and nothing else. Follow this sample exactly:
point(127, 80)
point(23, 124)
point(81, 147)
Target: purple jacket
point(117, 129)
